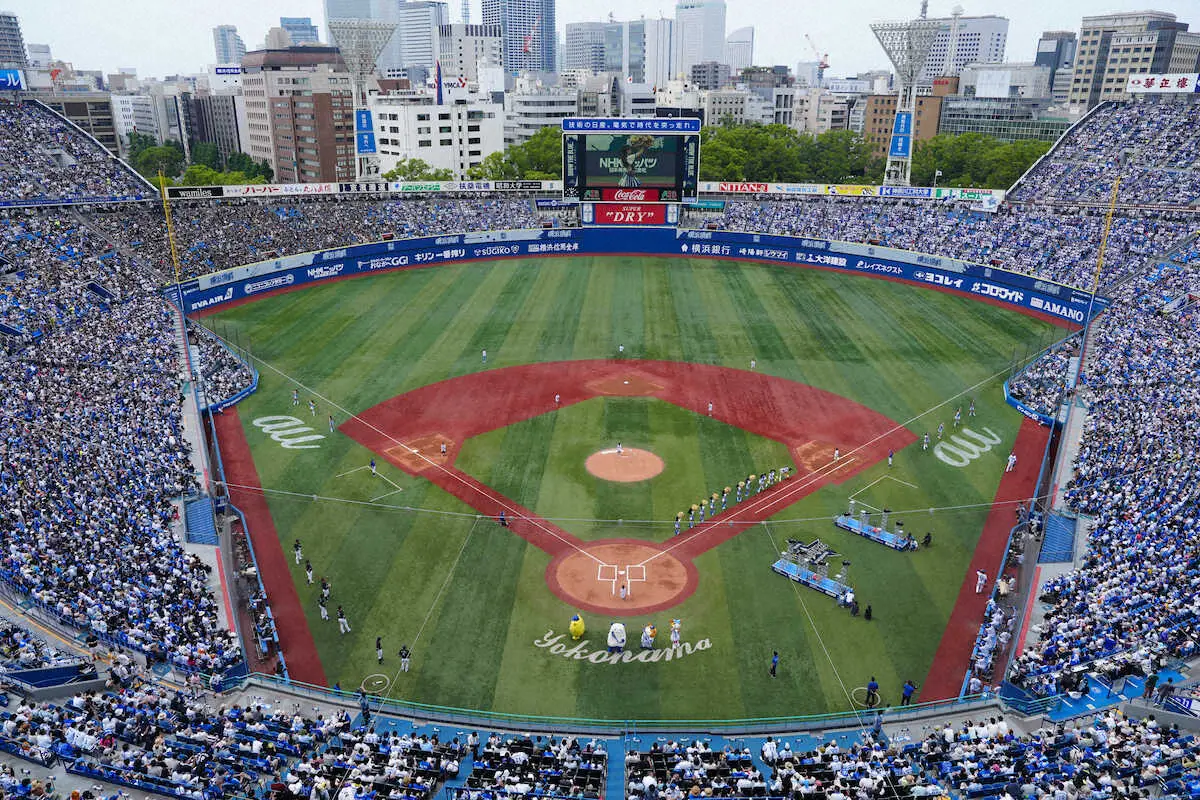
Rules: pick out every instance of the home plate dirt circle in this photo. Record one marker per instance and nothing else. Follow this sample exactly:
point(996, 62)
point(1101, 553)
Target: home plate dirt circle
point(590, 579)
point(628, 466)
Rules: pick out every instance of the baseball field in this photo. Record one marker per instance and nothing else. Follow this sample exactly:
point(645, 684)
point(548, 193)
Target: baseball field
point(615, 394)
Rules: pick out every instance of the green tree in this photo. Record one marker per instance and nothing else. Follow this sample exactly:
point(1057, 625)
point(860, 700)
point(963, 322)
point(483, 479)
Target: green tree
point(206, 153)
point(494, 167)
point(240, 162)
point(162, 157)
point(539, 158)
point(416, 169)
point(973, 160)
point(137, 143)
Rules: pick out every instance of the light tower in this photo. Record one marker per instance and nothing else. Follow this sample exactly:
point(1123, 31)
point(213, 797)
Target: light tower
point(360, 42)
point(907, 45)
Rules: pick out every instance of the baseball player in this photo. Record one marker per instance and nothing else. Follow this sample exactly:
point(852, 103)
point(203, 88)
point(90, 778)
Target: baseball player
point(957, 416)
point(295, 397)
point(312, 407)
point(971, 408)
point(298, 551)
point(331, 423)
point(925, 441)
point(1012, 462)
point(405, 654)
point(324, 610)
point(379, 649)
point(343, 623)
point(373, 470)
point(308, 572)
point(941, 430)
point(980, 581)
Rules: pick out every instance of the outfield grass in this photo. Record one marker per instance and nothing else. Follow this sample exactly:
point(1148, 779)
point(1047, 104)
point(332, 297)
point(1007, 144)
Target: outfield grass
point(473, 597)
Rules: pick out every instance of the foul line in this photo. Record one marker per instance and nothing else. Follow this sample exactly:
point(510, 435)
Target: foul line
point(445, 582)
point(389, 494)
point(498, 498)
point(349, 472)
point(759, 501)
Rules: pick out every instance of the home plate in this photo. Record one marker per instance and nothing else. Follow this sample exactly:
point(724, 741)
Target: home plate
point(626, 383)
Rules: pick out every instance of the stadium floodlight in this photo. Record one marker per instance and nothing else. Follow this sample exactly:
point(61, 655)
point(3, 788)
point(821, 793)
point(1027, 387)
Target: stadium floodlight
point(907, 45)
point(360, 42)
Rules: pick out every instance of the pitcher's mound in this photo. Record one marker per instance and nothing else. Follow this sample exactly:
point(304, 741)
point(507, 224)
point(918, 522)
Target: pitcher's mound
point(628, 466)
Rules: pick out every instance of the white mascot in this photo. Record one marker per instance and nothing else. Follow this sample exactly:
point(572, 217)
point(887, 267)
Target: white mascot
point(648, 634)
point(616, 637)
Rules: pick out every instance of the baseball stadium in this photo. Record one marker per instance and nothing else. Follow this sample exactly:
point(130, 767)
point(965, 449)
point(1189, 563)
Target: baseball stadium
point(626, 484)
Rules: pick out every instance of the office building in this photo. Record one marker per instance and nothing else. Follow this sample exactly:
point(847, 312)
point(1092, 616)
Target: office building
point(699, 32)
point(739, 49)
point(1005, 80)
point(659, 51)
point(880, 114)
point(220, 119)
point(529, 108)
point(1056, 50)
point(418, 37)
point(820, 111)
point(976, 40)
point(456, 136)
point(300, 113)
point(583, 46)
point(12, 43)
point(807, 74)
point(528, 29)
point(710, 75)
point(38, 55)
point(227, 45)
point(134, 113)
point(465, 48)
point(1114, 46)
point(625, 49)
point(1005, 118)
point(277, 39)
point(300, 29)
point(91, 111)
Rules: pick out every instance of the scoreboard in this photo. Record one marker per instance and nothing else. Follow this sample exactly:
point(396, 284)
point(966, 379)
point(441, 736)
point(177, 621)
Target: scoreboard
point(642, 159)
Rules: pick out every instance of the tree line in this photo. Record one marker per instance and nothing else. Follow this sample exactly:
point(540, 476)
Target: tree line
point(756, 153)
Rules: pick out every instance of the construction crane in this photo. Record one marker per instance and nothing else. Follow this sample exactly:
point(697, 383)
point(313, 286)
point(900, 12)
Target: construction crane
point(822, 59)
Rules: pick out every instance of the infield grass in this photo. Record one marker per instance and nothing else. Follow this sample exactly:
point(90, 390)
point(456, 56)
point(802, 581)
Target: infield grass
point(473, 598)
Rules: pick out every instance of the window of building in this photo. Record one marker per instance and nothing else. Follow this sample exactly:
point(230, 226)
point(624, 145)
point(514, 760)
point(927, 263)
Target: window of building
point(424, 143)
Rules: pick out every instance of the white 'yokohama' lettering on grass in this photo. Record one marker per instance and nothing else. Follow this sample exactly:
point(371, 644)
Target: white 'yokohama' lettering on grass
point(580, 652)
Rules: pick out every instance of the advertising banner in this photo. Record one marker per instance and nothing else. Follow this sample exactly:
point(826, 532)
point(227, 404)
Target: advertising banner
point(12, 80)
point(364, 143)
point(849, 190)
point(630, 213)
point(194, 192)
point(743, 188)
point(650, 125)
point(902, 133)
point(1017, 290)
point(1170, 83)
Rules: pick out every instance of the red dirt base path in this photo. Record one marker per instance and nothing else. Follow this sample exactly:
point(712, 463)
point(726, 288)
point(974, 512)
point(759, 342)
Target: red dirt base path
point(810, 421)
point(953, 656)
point(299, 649)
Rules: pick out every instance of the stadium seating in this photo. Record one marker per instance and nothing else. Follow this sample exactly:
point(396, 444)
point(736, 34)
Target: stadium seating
point(91, 420)
point(58, 163)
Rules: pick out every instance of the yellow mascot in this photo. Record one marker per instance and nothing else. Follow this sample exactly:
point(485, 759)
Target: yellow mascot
point(577, 628)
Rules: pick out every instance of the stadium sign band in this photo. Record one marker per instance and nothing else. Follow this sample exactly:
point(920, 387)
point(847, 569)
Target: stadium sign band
point(555, 644)
point(1010, 288)
point(609, 125)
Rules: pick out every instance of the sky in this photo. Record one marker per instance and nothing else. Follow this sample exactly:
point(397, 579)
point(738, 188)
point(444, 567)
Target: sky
point(167, 37)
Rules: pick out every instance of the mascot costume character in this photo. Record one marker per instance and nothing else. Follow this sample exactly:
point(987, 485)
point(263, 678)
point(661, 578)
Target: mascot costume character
point(616, 637)
point(577, 628)
point(676, 624)
point(649, 633)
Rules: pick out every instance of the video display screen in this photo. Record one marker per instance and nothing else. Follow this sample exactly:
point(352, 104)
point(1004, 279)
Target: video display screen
point(631, 160)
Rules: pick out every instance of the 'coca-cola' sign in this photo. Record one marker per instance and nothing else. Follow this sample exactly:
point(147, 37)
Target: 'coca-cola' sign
point(629, 195)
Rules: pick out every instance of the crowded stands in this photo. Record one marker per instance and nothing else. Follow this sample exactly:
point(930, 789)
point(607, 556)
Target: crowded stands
point(59, 163)
point(90, 417)
point(1151, 146)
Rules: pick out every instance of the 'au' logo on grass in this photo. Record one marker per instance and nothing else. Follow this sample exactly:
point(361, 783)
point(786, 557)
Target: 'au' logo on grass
point(290, 432)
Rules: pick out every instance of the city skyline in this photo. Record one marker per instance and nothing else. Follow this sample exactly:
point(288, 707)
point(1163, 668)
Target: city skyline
point(172, 38)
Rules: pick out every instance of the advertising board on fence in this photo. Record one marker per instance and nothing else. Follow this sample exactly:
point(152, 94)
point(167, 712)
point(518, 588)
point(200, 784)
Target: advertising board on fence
point(1172, 83)
point(1020, 291)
